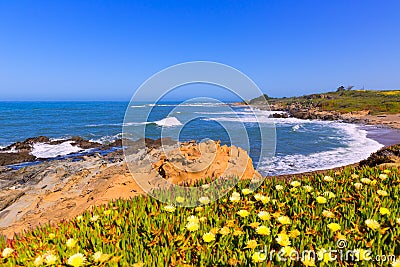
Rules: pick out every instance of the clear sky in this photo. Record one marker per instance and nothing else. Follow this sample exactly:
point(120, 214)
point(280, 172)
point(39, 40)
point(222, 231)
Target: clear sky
point(104, 50)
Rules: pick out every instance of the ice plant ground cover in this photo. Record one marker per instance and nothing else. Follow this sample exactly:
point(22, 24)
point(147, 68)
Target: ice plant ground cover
point(360, 206)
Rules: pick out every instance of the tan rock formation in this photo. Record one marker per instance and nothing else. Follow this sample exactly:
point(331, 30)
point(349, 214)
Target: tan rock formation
point(194, 162)
point(60, 190)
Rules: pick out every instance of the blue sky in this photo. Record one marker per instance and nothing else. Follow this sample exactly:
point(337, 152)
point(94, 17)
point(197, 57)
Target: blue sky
point(104, 50)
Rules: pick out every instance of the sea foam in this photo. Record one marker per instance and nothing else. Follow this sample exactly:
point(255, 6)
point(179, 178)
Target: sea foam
point(357, 147)
point(41, 150)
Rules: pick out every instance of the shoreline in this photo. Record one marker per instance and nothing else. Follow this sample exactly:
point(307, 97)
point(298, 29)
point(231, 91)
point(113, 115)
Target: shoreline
point(383, 134)
point(70, 187)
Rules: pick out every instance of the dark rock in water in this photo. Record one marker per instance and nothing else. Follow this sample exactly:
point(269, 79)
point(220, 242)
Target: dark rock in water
point(279, 115)
point(116, 143)
point(14, 158)
point(389, 154)
point(26, 146)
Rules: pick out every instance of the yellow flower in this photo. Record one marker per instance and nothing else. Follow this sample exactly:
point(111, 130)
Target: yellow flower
point(204, 200)
point(384, 211)
point(294, 233)
point(94, 218)
point(334, 227)
point(295, 183)
point(386, 171)
point(214, 230)
point(254, 225)
point(263, 230)
point(76, 260)
point(138, 264)
point(396, 263)
point(51, 235)
point(169, 208)
point(208, 237)
point(328, 214)
point(358, 185)
point(293, 189)
point(383, 176)
point(362, 254)
point(71, 243)
point(50, 258)
point(230, 223)
point(180, 199)
point(79, 218)
point(365, 180)
point(199, 209)
point(284, 220)
point(100, 257)
point(265, 199)
point(38, 261)
point(283, 240)
point(238, 232)
point(374, 182)
point(235, 197)
point(308, 188)
point(398, 220)
point(203, 219)
point(107, 212)
point(246, 191)
point(192, 218)
point(328, 179)
point(224, 231)
point(264, 215)
point(7, 252)
point(258, 196)
point(354, 176)
point(320, 200)
point(276, 214)
point(258, 257)
point(307, 260)
point(374, 225)
point(278, 187)
point(340, 236)
point(382, 193)
point(192, 226)
point(251, 244)
point(243, 213)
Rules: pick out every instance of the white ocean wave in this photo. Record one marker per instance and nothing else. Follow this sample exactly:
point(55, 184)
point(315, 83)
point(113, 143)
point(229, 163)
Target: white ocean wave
point(358, 147)
point(107, 139)
point(168, 122)
point(42, 150)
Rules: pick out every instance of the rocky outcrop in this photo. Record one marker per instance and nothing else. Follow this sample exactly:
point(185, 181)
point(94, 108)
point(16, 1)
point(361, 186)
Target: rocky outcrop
point(389, 156)
point(62, 189)
point(14, 158)
point(193, 162)
point(311, 111)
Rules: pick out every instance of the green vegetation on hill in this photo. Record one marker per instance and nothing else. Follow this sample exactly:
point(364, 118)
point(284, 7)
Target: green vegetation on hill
point(377, 102)
point(356, 209)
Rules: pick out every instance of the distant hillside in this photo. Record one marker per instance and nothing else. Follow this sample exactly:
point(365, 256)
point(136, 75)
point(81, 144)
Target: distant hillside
point(377, 102)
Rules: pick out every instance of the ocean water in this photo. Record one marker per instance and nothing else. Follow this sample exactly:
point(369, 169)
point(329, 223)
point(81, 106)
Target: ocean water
point(301, 145)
